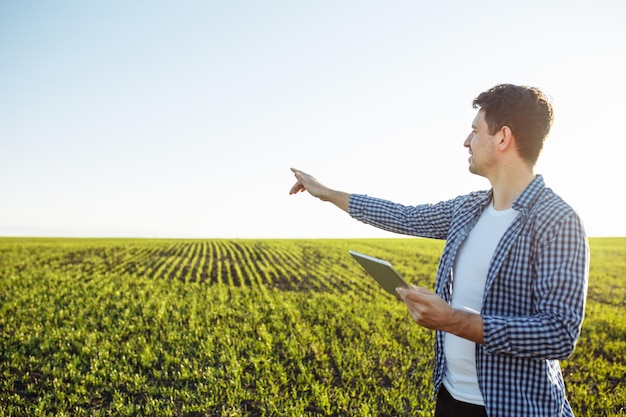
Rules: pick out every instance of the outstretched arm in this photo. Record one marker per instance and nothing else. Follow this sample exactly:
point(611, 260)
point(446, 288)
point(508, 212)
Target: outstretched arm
point(306, 182)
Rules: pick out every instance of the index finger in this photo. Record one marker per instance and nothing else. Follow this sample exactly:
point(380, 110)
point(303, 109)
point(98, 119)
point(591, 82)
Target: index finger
point(413, 292)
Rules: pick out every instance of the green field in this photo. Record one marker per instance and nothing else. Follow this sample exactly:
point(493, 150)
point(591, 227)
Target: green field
point(108, 327)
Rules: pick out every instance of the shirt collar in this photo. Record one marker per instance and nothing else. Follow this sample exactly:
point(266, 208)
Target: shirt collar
point(529, 195)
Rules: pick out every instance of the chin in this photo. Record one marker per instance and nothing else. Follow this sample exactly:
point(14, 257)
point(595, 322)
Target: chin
point(475, 171)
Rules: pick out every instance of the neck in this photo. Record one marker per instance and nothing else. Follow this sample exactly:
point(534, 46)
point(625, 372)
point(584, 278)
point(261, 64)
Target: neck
point(509, 185)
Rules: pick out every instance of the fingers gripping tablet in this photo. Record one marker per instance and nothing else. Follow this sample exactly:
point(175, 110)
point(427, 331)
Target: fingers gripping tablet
point(382, 271)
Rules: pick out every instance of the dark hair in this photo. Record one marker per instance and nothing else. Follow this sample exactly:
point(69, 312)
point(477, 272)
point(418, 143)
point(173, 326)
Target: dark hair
point(525, 110)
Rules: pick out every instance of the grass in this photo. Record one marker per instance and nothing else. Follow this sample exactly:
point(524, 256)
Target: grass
point(111, 327)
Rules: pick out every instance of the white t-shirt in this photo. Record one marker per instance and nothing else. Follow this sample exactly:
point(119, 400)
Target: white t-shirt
point(468, 286)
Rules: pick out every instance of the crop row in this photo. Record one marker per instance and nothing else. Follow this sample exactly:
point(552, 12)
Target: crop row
point(203, 328)
point(259, 264)
point(248, 327)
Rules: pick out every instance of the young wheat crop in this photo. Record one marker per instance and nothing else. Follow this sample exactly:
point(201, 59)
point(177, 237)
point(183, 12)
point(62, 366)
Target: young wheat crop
point(109, 327)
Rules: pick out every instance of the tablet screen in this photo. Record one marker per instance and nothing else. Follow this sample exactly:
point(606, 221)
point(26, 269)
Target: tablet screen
point(382, 271)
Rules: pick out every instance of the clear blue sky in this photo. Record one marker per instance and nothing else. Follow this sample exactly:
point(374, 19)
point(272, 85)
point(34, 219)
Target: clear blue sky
point(181, 119)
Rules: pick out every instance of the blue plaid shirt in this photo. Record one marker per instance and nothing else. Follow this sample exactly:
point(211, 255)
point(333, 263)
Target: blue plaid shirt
point(534, 299)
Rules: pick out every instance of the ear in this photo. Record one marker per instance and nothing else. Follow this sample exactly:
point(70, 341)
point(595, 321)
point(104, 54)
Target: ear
point(507, 140)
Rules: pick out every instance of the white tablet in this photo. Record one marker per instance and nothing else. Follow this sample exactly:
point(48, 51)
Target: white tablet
point(382, 271)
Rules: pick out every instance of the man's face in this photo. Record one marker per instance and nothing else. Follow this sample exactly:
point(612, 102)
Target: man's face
point(481, 145)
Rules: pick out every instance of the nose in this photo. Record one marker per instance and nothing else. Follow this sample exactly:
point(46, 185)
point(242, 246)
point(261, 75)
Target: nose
point(468, 140)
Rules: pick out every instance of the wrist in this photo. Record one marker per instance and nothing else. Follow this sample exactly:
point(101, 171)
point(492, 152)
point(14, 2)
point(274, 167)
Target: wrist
point(467, 325)
point(339, 198)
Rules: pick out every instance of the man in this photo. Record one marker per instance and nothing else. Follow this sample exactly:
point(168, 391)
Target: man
point(512, 280)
